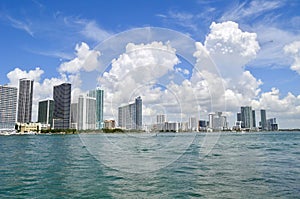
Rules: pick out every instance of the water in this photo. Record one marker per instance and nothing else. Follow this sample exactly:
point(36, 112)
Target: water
point(251, 165)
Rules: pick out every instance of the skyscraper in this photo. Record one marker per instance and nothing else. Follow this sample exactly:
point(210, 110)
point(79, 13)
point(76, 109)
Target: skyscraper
point(8, 107)
point(45, 112)
point(74, 115)
point(62, 106)
point(253, 119)
point(86, 117)
point(130, 116)
point(246, 116)
point(139, 116)
point(25, 100)
point(263, 119)
point(98, 94)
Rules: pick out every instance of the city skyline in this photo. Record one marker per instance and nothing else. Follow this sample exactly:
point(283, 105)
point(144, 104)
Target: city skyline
point(85, 113)
point(59, 44)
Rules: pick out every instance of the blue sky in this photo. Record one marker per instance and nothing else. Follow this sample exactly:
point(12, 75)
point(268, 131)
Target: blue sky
point(44, 34)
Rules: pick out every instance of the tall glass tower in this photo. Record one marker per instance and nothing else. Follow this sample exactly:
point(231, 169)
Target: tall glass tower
point(8, 107)
point(45, 112)
point(139, 115)
point(263, 119)
point(25, 100)
point(99, 95)
point(247, 117)
point(62, 106)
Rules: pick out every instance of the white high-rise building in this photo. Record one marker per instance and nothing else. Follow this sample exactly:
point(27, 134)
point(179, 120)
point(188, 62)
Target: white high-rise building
point(193, 124)
point(130, 116)
point(161, 119)
point(217, 121)
point(86, 114)
point(8, 107)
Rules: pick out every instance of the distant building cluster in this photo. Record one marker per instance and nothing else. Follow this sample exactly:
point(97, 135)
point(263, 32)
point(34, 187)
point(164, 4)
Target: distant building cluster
point(59, 113)
point(87, 113)
point(246, 120)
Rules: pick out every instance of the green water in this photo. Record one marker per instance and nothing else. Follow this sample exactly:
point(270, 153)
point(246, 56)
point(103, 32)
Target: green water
point(252, 165)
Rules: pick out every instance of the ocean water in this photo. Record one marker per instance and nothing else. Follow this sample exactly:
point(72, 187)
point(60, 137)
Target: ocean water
point(183, 165)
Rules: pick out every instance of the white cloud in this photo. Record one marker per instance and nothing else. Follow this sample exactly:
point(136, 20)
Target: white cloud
point(294, 50)
point(93, 31)
point(136, 72)
point(230, 47)
point(17, 74)
point(21, 25)
point(85, 59)
point(253, 9)
point(285, 109)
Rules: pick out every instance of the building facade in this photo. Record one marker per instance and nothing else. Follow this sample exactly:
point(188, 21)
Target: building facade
point(161, 119)
point(45, 111)
point(130, 116)
point(86, 114)
point(272, 124)
point(99, 95)
point(8, 107)
point(193, 124)
point(62, 106)
point(263, 120)
point(247, 117)
point(217, 122)
point(25, 100)
point(74, 107)
point(109, 124)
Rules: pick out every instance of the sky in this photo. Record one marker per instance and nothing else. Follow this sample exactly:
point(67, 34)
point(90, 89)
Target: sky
point(184, 58)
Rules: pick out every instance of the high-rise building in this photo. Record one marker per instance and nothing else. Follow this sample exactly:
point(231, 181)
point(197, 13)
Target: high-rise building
point(86, 117)
point(246, 116)
point(253, 119)
point(161, 119)
point(62, 106)
point(238, 117)
point(8, 107)
point(25, 100)
point(217, 121)
point(74, 107)
point(263, 119)
point(272, 124)
point(193, 124)
point(99, 95)
point(130, 116)
point(45, 111)
point(139, 113)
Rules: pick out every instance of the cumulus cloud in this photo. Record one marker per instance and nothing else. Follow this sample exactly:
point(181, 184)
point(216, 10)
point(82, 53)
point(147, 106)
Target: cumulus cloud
point(218, 81)
point(293, 49)
point(86, 60)
point(17, 74)
point(137, 72)
point(230, 47)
